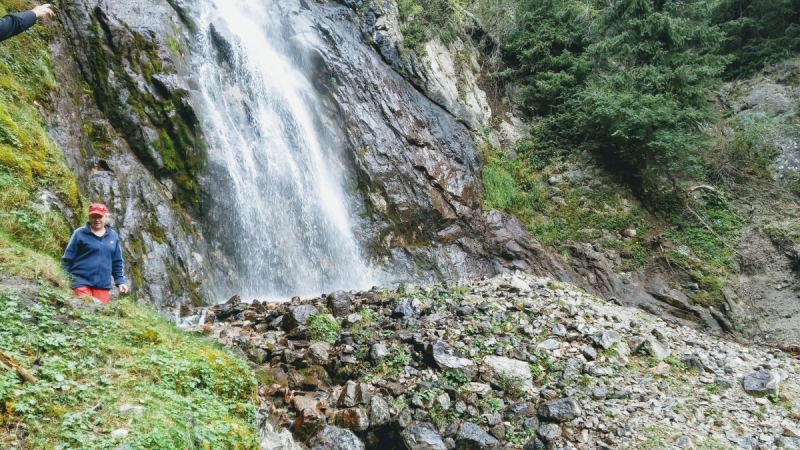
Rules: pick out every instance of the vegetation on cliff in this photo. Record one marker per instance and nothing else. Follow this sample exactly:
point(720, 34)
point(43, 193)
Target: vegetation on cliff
point(630, 85)
point(31, 165)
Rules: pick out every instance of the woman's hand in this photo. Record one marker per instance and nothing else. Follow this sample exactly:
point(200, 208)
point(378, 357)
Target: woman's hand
point(44, 12)
point(123, 288)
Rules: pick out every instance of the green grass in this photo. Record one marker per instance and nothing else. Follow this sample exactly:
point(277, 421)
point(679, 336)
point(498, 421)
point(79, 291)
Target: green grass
point(29, 159)
point(195, 393)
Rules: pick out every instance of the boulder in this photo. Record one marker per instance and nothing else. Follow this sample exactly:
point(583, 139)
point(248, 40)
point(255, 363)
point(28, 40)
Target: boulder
point(332, 438)
point(340, 303)
point(378, 351)
point(422, 437)
point(407, 308)
point(606, 339)
point(352, 418)
point(511, 375)
point(561, 410)
point(379, 412)
point(761, 383)
point(298, 316)
point(318, 353)
point(654, 348)
point(473, 437)
point(354, 394)
point(448, 358)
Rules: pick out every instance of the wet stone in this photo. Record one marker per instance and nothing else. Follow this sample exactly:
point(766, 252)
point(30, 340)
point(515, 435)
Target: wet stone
point(549, 432)
point(473, 437)
point(422, 437)
point(561, 410)
point(761, 383)
point(340, 303)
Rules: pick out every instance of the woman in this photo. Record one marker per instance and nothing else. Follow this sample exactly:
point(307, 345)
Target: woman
point(93, 255)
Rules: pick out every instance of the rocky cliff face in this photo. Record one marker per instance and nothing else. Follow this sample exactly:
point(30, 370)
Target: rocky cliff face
point(417, 164)
point(124, 124)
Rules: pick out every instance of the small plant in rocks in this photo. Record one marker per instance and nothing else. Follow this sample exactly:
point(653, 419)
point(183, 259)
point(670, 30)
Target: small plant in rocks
point(323, 327)
point(512, 385)
point(455, 379)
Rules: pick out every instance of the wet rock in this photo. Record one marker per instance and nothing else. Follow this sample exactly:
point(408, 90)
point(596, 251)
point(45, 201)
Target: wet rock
point(332, 438)
point(318, 353)
point(549, 432)
point(407, 308)
point(352, 418)
point(511, 375)
point(473, 437)
point(298, 316)
point(378, 411)
point(761, 383)
point(422, 437)
point(378, 352)
point(606, 339)
point(340, 303)
point(561, 410)
point(354, 394)
point(448, 358)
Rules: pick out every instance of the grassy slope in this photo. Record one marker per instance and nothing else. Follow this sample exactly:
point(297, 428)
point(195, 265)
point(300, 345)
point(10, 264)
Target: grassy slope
point(195, 394)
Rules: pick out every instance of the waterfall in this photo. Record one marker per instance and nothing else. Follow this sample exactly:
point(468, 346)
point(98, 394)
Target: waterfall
point(277, 177)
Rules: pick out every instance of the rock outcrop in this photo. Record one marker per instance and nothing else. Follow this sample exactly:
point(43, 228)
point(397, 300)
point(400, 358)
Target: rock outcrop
point(122, 119)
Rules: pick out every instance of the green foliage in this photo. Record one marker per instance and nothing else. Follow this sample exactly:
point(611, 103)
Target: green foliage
point(759, 32)
point(29, 159)
point(323, 327)
point(629, 80)
point(422, 21)
point(195, 394)
point(455, 379)
point(507, 188)
point(749, 153)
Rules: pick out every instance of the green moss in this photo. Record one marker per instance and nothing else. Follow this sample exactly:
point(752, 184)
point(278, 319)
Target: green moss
point(29, 159)
point(180, 152)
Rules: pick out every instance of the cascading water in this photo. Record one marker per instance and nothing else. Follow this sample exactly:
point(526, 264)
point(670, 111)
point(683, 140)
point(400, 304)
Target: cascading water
point(277, 176)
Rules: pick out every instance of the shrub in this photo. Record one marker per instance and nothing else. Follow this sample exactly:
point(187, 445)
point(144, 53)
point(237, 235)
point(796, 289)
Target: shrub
point(323, 327)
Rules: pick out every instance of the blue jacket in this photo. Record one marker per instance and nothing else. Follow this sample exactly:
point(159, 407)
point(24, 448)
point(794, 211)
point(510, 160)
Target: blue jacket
point(14, 24)
point(91, 260)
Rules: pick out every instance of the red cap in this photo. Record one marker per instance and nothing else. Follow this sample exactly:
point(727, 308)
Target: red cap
point(98, 209)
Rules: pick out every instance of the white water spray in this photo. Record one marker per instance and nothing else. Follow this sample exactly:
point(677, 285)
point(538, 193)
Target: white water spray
point(284, 209)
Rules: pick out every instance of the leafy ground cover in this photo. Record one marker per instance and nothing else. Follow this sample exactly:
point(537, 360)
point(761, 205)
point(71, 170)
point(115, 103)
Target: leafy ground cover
point(29, 160)
point(195, 394)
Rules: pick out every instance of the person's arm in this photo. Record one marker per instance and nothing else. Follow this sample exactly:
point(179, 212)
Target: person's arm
point(70, 253)
point(14, 24)
point(118, 268)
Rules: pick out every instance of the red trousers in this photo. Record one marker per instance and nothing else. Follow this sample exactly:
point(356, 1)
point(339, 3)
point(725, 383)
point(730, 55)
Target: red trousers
point(100, 294)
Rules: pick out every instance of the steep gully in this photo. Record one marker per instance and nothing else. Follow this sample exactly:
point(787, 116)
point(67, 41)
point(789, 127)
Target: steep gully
point(174, 86)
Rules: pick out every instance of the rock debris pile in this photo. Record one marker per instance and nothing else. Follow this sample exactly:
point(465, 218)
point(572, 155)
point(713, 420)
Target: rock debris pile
point(513, 361)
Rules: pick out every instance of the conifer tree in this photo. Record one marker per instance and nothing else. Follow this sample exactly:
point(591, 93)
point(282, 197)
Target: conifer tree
point(655, 64)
